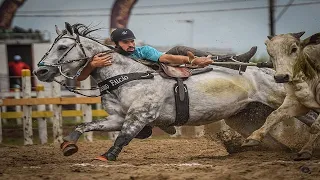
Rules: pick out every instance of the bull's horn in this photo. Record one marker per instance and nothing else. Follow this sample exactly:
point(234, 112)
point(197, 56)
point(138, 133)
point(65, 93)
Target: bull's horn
point(270, 37)
point(58, 31)
point(298, 35)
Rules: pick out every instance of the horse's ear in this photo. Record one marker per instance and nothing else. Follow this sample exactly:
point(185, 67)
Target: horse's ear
point(270, 37)
point(69, 28)
point(298, 35)
point(58, 31)
point(314, 39)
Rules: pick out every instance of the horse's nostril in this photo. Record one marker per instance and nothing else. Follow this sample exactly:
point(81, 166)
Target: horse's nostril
point(42, 71)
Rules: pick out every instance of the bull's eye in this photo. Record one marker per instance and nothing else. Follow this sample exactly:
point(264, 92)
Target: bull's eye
point(294, 50)
point(62, 47)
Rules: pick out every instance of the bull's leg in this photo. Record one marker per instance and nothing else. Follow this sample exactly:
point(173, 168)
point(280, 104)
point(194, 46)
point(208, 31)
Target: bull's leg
point(290, 108)
point(306, 152)
point(110, 123)
point(315, 127)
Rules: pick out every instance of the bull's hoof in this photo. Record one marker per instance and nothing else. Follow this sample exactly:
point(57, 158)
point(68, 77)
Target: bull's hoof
point(68, 148)
point(314, 129)
point(250, 143)
point(302, 156)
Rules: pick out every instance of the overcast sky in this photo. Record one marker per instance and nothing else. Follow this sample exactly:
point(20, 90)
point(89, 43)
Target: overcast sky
point(234, 29)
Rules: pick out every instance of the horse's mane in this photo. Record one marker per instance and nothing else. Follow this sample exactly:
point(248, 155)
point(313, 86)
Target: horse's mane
point(84, 31)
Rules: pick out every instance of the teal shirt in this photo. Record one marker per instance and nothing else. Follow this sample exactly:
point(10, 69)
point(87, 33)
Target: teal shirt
point(146, 53)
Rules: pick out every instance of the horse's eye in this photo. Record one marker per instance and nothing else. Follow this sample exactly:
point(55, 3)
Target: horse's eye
point(294, 50)
point(62, 47)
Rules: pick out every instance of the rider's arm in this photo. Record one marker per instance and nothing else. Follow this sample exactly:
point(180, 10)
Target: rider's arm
point(99, 60)
point(149, 53)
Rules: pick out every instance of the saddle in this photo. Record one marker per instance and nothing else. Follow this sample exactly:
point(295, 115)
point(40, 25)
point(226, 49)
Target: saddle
point(180, 89)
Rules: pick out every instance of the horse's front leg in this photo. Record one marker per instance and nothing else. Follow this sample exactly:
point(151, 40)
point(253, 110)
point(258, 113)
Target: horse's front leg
point(110, 123)
point(290, 108)
point(133, 124)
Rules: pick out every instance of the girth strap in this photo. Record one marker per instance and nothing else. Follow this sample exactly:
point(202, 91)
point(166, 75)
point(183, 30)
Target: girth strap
point(181, 98)
point(116, 81)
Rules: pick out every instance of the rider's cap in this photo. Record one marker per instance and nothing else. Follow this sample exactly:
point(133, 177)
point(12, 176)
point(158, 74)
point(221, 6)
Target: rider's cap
point(17, 57)
point(121, 34)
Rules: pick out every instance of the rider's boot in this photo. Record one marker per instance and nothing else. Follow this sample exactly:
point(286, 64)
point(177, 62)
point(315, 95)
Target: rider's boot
point(245, 58)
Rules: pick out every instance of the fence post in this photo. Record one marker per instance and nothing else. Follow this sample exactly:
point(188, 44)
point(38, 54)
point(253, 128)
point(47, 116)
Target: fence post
point(27, 110)
point(57, 113)
point(0, 126)
point(42, 123)
point(4, 109)
point(86, 108)
point(18, 108)
point(78, 108)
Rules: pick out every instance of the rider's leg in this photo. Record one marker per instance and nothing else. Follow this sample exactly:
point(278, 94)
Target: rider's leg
point(182, 50)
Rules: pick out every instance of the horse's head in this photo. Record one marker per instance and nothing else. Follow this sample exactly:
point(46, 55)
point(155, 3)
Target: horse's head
point(286, 52)
point(68, 55)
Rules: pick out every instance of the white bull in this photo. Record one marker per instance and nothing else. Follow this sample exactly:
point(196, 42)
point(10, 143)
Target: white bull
point(297, 65)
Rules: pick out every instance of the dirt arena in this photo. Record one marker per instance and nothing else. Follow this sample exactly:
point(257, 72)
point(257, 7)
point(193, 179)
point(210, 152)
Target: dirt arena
point(153, 158)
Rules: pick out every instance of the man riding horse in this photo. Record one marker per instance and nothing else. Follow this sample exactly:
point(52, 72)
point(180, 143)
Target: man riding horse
point(124, 40)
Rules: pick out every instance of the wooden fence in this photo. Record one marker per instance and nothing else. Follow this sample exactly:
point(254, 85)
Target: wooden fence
point(56, 114)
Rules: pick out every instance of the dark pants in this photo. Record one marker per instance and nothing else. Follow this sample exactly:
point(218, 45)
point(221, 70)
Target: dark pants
point(182, 50)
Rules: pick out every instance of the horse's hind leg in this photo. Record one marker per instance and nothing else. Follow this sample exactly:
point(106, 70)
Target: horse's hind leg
point(110, 123)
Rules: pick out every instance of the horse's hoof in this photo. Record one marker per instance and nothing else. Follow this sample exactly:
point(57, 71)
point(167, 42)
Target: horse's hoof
point(250, 142)
point(101, 158)
point(302, 156)
point(111, 157)
point(68, 148)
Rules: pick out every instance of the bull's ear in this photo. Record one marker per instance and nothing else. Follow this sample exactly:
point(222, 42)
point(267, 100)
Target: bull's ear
point(314, 39)
point(69, 28)
point(298, 35)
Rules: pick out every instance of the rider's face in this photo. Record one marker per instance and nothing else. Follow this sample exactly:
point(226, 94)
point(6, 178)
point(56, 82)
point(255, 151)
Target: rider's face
point(127, 45)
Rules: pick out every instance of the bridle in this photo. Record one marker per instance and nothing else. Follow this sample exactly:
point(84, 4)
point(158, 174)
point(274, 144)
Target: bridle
point(61, 62)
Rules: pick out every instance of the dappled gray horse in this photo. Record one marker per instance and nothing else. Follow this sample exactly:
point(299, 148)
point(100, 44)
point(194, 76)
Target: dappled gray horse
point(149, 100)
point(297, 65)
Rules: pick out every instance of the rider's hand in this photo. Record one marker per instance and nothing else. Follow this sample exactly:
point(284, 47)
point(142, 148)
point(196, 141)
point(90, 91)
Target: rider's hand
point(101, 60)
point(202, 61)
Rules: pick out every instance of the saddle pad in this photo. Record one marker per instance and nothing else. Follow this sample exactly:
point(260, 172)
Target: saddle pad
point(178, 72)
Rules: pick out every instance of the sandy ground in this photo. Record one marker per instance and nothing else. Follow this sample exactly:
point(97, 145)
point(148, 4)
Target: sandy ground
point(156, 159)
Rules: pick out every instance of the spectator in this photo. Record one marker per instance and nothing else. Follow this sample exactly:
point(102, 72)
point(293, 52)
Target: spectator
point(15, 68)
